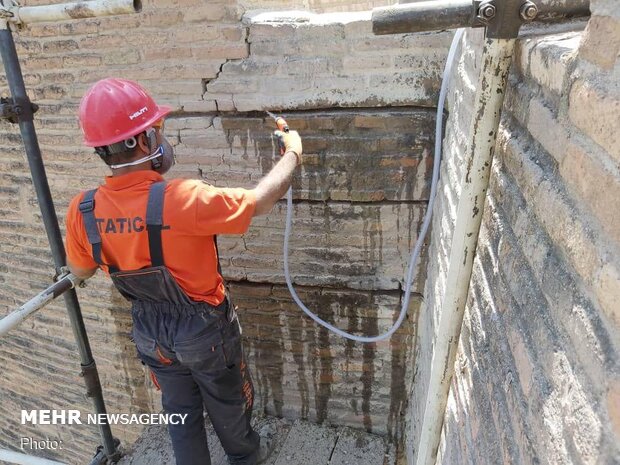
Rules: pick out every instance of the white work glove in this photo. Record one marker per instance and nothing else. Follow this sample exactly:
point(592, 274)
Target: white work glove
point(289, 142)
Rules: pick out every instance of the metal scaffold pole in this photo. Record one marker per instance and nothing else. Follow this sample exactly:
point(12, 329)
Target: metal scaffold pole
point(491, 88)
point(57, 289)
point(19, 109)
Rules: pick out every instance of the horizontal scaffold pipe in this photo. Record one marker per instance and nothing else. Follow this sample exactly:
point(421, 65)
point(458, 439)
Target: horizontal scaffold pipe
point(436, 15)
point(14, 318)
point(25, 15)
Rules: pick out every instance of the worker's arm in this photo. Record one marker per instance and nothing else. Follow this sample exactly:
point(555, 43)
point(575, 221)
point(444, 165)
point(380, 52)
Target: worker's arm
point(273, 186)
point(82, 273)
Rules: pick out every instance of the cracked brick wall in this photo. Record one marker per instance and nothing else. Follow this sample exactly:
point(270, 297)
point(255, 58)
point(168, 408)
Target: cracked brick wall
point(359, 200)
point(538, 368)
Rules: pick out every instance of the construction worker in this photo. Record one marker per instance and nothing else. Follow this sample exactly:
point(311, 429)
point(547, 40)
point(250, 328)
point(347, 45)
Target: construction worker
point(157, 242)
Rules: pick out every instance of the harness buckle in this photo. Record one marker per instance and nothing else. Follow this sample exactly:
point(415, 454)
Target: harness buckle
point(87, 206)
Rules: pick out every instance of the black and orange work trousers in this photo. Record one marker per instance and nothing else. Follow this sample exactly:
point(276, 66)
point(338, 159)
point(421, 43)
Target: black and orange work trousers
point(196, 357)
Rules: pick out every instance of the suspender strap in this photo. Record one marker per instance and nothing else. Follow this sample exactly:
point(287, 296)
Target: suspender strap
point(154, 222)
point(87, 209)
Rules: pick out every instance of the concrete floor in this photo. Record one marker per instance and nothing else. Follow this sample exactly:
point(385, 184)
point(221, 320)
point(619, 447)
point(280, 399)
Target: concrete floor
point(296, 443)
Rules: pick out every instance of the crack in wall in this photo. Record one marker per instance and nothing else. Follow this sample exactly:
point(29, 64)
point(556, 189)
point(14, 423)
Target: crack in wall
point(207, 81)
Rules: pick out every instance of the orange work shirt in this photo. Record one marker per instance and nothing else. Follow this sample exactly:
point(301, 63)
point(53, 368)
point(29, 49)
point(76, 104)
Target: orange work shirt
point(193, 213)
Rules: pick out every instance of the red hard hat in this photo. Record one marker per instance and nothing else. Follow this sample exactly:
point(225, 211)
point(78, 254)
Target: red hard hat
point(113, 110)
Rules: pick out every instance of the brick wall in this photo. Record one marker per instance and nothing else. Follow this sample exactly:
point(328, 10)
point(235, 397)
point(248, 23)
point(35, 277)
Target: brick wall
point(538, 368)
point(359, 200)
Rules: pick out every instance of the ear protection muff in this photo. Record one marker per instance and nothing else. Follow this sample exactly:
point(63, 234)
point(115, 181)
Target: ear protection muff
point(130, 143)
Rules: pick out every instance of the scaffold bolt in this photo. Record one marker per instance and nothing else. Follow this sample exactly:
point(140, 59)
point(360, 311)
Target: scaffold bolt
point(486, 12)
point(529, 11)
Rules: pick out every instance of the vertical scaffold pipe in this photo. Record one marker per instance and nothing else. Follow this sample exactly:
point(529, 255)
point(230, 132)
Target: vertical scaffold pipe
point(497, 57)
point(26, 126)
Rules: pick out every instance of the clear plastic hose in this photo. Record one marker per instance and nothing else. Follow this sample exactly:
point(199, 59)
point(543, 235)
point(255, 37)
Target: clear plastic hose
point(425, 225)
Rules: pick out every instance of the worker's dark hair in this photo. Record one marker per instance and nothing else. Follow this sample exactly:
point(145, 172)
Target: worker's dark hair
point(116, 154)
point(117, 158)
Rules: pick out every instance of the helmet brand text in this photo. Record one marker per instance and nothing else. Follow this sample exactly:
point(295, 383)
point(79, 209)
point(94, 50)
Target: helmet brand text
point(138, 113)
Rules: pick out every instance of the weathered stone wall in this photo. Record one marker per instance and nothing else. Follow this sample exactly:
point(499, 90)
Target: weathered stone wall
point(316, 6)
point(359, 200)
point(538, 370)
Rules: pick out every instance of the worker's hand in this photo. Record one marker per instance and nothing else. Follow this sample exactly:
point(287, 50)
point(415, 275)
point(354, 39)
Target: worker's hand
point(289, 142)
